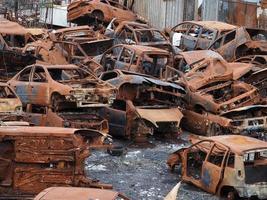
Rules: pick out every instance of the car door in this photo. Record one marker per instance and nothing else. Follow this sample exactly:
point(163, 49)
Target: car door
point(36, 115)
point(21, 85)
point(213, 168)
point(40, 86)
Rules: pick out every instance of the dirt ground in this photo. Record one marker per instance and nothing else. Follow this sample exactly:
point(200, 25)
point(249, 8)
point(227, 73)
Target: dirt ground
point(142, 173)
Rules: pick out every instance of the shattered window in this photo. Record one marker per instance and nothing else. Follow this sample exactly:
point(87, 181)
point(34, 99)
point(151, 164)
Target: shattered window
point(67, 74)
point(207, 34)
point(194, 31)
point(149, 36)
point(39, 75)
point(25, 75)
point(216, 156)
point(126, 56)
point(126, 36)
point(229, 37)
point(231, 160)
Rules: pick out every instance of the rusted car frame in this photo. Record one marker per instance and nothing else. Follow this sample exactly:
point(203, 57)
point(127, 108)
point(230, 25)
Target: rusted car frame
point(56, 85)
point(69, 118)
point(68, 193)
point(35, 158)
point(223, 96)
point(248, 120)
point(141, 59)
point(229, 166)
point(198, 35)
point(82, 12)
point(260, 61)
point(128, 32)
point(241, 42)
point(143, 101)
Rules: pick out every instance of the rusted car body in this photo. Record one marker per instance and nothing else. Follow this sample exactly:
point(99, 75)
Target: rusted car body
point(9, 101)
point(70, 193)
point(241, 42)
point(35, 158)
point(198, 35)
point(128, 32)
point(74, 45)
point(61, 85)
point(135, 58)
point(222, 96)
point(248, 120)
point(208, 71)
point(81, 42)
point(13, 38)
point(229, 166)
point(184, 58)
point(82, 12)
point(70, 118)
point(143, 101)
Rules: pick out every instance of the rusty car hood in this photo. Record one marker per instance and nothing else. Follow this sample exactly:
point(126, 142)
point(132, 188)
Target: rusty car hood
point(157, 115)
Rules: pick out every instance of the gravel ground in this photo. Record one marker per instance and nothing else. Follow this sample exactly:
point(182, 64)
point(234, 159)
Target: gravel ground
point(142, 173)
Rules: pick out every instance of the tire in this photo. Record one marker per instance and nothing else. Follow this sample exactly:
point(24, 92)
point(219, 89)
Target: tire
point(116, 151)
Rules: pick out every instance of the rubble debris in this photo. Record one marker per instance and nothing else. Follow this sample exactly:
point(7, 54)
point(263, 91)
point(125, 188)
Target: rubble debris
point(144, 105)
point(128, 32)
point(198, 35)
point(63, 193)
point(141, 59)
point(59, 86)
point(211, 164)
point(54, 155)
point(241, 42)
point(83, 12)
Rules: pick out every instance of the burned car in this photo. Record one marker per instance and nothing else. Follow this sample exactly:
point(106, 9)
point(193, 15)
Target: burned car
point(241, 42)
point(135, 58)
point(64, 193)
point(88, 118)
point(144, 105)
point(248, 121)
point(35, 158)
point(198, 35)
point(61, 85)
point(222, 96)
point(13, 38)
point(9, 101)
point(229, 166)
point(83, 12)
point(128, 32)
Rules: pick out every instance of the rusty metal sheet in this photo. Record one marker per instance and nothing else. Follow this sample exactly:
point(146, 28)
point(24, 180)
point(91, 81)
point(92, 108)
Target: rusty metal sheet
point(12, 28)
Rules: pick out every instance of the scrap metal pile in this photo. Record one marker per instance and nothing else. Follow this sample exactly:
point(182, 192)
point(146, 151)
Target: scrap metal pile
point(115, 75)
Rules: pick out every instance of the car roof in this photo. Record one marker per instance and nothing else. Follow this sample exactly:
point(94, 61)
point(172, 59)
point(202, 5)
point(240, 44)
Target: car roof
point(239, 144)
point(70, 193)
point(216, 25)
